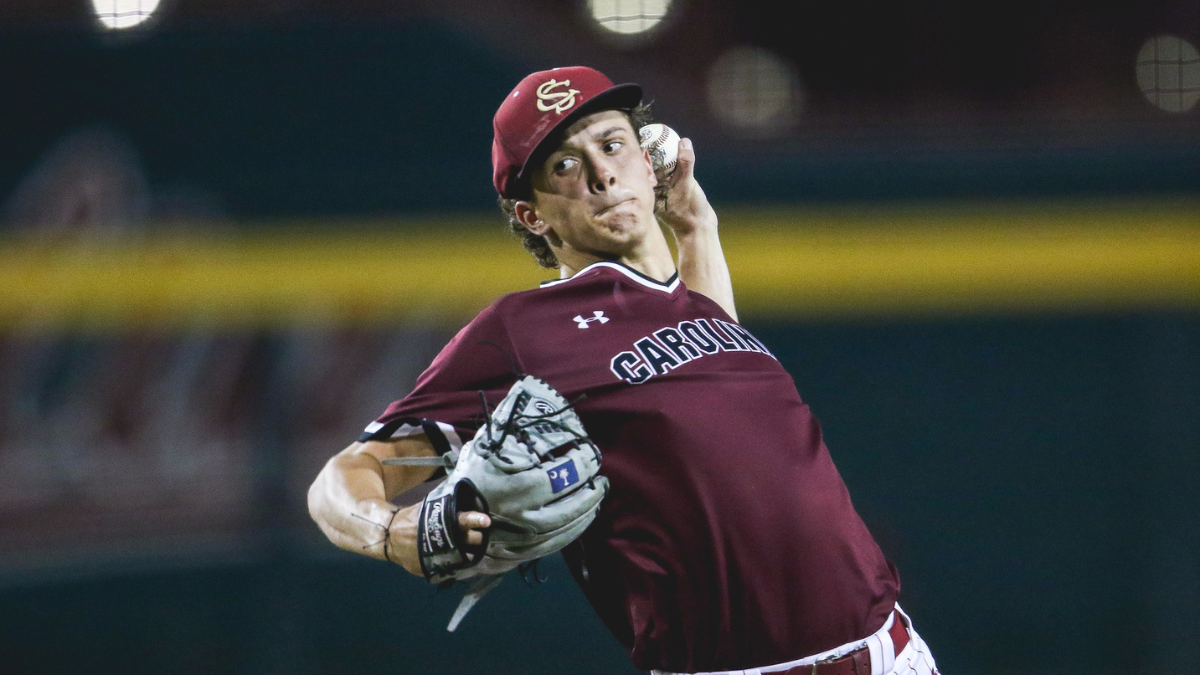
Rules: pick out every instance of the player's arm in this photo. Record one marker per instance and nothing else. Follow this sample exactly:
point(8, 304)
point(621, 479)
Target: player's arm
point(350, 500)
point(702, 265)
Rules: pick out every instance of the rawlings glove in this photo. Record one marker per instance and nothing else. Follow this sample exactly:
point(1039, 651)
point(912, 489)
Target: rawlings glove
point(533, 470)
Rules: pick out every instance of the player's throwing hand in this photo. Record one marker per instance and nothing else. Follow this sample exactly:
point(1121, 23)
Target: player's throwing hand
point(686, 209)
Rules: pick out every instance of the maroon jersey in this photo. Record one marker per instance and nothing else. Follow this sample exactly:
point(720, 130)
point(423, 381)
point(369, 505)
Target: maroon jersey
point(728, 539)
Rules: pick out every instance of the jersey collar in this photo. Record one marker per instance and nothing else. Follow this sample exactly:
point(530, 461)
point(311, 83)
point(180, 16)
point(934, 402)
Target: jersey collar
point(668, 287)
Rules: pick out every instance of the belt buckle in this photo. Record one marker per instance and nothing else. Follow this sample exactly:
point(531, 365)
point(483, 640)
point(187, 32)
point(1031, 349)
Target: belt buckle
point(827, 660)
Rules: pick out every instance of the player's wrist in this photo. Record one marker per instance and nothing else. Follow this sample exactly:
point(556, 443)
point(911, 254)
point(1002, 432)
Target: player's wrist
point(693, 227)
point(400, 545)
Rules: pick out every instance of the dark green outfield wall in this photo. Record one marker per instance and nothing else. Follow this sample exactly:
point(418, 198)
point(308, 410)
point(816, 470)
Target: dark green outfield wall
point(1035, 480)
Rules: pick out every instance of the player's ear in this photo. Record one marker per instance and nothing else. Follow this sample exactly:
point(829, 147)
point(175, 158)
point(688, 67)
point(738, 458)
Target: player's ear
point(527, 214)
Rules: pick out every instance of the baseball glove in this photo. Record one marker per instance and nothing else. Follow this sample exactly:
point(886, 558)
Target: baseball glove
point(532, 468)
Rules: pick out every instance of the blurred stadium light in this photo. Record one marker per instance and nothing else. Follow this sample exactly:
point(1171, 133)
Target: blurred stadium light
point(629, 17)
point(1168, 73)
point(754, 91)
point(120, 14)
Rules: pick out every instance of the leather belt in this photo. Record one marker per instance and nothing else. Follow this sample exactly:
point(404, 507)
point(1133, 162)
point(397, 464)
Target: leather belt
point(857, 662)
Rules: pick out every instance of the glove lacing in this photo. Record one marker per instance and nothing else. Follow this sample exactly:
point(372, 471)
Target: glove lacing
point(517, 421)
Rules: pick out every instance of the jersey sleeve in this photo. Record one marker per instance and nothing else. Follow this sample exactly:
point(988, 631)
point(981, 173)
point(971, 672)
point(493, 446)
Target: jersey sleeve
point(445, 404)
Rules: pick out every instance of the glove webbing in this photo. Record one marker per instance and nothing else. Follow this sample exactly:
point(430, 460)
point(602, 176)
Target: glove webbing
point(518, 421)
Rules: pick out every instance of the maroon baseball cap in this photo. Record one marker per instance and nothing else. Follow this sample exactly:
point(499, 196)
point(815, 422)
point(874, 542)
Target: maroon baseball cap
point(542, 103)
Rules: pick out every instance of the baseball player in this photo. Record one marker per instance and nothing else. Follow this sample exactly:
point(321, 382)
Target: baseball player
point(727, 542)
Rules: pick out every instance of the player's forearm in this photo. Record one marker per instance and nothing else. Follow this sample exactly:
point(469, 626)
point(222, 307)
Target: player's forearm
point(349, 502)
point(702, 266)
point(686, 211)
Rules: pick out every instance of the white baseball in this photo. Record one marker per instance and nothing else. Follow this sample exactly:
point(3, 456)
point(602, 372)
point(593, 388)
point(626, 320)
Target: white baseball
point(662, 143)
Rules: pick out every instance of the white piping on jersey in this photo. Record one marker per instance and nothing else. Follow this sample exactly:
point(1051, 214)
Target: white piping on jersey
point(668, 287)
point(405, 430)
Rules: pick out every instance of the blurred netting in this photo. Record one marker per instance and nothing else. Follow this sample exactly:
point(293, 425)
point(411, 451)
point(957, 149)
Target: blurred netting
point(1168, 73)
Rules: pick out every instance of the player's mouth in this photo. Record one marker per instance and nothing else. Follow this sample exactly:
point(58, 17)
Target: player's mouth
point(612, 207)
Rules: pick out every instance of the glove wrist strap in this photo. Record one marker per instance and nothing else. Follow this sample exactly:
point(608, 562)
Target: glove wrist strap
point(441, 545)
point(435, 540)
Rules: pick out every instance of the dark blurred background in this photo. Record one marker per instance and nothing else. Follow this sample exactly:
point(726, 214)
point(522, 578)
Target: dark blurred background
point(233, 231)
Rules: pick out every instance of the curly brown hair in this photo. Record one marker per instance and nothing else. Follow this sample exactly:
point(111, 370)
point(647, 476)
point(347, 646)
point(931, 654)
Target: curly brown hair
point(536, 244)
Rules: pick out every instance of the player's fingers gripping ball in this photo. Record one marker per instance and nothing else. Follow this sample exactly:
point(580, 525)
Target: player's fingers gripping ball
point(662, 143)
point(532, 468)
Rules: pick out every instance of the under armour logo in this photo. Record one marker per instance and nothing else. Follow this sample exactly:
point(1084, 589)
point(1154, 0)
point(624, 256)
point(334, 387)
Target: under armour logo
point(558, 101)
point(596, 316)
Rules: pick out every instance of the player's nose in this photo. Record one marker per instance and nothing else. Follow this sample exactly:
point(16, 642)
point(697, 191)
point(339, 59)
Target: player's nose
point(601, 174)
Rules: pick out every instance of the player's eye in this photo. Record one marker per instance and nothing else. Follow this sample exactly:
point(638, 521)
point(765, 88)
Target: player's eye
point(564, 165)
point(613, 146)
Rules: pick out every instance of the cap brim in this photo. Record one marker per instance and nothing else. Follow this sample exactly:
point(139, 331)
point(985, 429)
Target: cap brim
point(618, 97)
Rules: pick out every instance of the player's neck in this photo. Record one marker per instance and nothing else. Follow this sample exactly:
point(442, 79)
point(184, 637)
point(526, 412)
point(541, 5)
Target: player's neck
point(654, 261)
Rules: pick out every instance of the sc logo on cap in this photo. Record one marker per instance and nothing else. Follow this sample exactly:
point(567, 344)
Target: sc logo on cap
point(558, 101)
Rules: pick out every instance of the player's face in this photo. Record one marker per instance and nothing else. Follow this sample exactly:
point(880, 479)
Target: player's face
point(596, 191)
